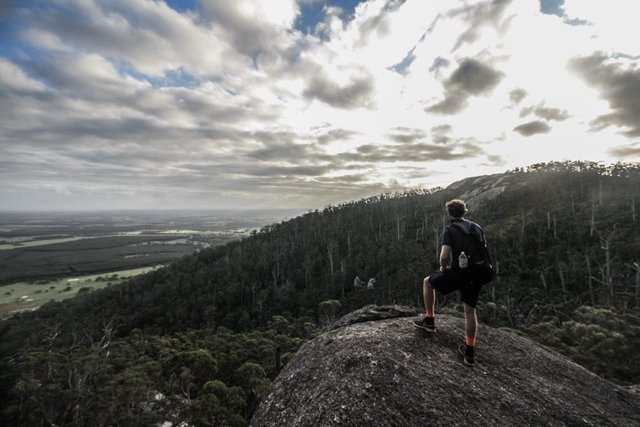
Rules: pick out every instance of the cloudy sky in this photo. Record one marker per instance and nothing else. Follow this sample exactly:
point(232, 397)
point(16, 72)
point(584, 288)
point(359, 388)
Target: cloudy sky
point(303, 103)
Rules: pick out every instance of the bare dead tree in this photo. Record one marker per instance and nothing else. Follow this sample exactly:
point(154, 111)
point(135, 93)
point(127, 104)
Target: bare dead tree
point(306, 266)
point(330, 249)
point(530, 315)
point(107, 330)
point(562, 282)
point(605, 245)
point(573, 206)
point(548, 220)
point(590, 280)
point(636, 267)
point(593, 218)
point(600, 195)
point(509, 305)
point(543, 280)
point(398, 225)
point(436, 241)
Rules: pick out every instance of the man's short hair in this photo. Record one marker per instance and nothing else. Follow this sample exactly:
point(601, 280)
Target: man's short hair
point(456, 208)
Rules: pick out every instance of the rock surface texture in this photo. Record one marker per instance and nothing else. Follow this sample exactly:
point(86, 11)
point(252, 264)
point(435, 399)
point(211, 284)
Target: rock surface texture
point(375, 369)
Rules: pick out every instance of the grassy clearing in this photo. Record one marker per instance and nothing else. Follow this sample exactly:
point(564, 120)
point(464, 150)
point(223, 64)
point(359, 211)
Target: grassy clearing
point(22, 296)
point(29, 242)
point(26, 243)
point(91, 255)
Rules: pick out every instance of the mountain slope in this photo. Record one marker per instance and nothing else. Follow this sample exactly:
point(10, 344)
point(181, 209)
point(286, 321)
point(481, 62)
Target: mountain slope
point(565, 239)
point(387, 373)
point(562, 235)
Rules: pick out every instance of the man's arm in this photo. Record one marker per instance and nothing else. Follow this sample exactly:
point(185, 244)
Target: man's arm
point(445, 257)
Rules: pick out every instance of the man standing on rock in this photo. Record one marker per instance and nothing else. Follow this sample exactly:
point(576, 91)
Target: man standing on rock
point(454, 276)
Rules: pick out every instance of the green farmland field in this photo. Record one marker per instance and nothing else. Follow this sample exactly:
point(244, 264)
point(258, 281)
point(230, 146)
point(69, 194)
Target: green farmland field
point(91, 255)
point(22, 296)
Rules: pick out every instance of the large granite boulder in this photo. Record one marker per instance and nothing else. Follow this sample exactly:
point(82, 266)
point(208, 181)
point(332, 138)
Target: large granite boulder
point(375, 369)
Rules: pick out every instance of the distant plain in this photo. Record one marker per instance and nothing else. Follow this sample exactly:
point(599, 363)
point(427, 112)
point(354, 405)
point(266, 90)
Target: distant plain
point(53, 256)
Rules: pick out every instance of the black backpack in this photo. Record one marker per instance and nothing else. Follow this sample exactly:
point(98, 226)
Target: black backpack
point(477, 253)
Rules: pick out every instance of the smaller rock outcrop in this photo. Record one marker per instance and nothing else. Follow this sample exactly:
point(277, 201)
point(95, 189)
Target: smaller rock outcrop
point(476, 190)
point(375, 368)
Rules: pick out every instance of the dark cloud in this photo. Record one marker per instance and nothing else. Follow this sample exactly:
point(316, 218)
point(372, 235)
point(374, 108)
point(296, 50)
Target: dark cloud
point(517, 95)
point(67, 128)
point(632, 151)
point(454, 102)
point(351, 179)
point(471, 78)
point(378, 23)
point(438, 63)
point(336, 135)
point(96, 80)
point(417, 173)
point(290, 171)
point(87, 76)
point(552, 113)
point(576, 21)
point(270, 138)
point(407, 135)
point(441, 129)
point(208, 109)
point(546, 113)
point(532, 128)
point(496, 160)
point(248, 35)
point(296, 185)
point(283, 152)
point(413, 151)
point(474, 77)
point(102, 128)
point(153, 39)
point(619, 86)
point(440, 134)
point(288, 158)
point(478, 15)
point(441, 139)
point(354, 94)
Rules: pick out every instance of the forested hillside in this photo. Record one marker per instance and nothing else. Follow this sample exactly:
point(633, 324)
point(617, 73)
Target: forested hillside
point(201, 339)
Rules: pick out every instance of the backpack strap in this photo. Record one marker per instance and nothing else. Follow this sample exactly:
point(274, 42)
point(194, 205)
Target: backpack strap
point(472, 231)
point(460, 229)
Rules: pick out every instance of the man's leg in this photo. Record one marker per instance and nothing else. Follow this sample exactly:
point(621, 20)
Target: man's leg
point(471, 331)
point(427, 322)
point(429, 296)
point(470, 324)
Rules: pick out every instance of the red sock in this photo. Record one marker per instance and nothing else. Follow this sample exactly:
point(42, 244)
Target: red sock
point(470, 341)
point(430, 313)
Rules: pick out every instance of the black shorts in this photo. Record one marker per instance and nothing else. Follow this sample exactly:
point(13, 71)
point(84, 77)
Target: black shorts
point(448, 281)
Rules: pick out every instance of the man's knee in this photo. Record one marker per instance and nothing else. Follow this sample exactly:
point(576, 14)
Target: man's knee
point(426, 282)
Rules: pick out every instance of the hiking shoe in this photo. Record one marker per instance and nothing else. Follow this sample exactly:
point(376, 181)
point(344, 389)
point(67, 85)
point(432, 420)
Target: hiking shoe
point(467, 355)
point(426, 323)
